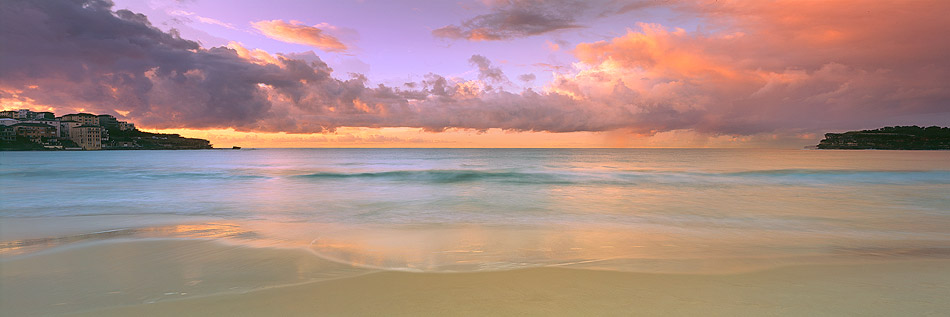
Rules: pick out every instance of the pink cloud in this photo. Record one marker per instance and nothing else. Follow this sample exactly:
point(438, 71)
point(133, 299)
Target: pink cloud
point(769, 65)
point(754, 68)
point(299, 33)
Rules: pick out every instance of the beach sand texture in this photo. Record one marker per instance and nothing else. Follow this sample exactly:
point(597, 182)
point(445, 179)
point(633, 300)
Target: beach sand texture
point(178, 277)
point(496, 232)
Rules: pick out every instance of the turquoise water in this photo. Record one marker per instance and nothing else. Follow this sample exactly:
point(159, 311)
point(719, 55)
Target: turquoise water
point(462, 209)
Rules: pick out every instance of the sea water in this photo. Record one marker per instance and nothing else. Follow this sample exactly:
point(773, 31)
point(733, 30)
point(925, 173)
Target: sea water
point(655, 210)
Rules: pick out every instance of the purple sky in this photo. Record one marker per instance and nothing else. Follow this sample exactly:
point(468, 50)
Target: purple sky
point(752, 71)
point(391, 42)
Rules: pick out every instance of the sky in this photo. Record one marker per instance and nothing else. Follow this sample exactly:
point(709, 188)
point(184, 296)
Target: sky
point(488, 73)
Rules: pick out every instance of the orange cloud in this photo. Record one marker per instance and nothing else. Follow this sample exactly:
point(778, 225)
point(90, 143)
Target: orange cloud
point(749, 68)
point(658, 49)
point(257, 56)
point(757, 66)
point(807, 33)
point(298, 33)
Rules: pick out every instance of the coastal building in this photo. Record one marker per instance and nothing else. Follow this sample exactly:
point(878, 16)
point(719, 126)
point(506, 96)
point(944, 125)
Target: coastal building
point(88, 137)
point(36, 132)
point(82, 131)
point(50, 122)
point(7, 133)
point(66, 126)
point(104, 135)
point(17, 114)
point(108, 121)
point(26, 114)
point(84, 118)
point(125, 126)
point(124, 144)
point(43, 115)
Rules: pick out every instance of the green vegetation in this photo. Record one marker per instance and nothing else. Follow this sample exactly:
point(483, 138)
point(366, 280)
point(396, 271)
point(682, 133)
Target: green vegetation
point(21, 144)
point(139, 140)
point(25, 130)
point(890, 138)
point(118, 140)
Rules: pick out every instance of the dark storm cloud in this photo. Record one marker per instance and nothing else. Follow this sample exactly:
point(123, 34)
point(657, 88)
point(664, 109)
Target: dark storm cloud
point(512, 19)
point(515, 19)
point(485, 69)
point(80, 54)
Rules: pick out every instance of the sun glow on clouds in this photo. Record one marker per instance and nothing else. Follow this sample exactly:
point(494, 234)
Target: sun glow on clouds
point(346, 137)
point(257, 56)
point(299, 33)
point(772, 66)
point(391, 138)
point(756, 72)
point(13, 99)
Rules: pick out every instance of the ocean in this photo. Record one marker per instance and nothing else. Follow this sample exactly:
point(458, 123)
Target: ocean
point(682, 211)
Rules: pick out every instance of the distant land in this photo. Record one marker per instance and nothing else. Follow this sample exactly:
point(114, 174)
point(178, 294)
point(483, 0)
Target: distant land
point(25, 130)
point(889, 138)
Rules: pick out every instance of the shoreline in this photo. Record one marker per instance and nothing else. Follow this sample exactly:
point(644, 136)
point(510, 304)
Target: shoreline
point(466, 247)
point(797, 290)
point(161, 277)
point(187, 277)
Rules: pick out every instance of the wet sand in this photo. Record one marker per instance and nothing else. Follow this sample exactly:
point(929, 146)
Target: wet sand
point(194, 277)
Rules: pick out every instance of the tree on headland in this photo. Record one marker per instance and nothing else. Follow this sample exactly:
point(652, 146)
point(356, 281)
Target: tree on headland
point(890, 138)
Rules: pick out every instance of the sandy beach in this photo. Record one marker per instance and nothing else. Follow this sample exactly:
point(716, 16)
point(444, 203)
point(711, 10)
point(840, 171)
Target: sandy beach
point(461, 232)
point(474, 158)
point(193, 277)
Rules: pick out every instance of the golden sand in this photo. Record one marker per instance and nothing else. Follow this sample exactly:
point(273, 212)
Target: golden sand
point(192, 277)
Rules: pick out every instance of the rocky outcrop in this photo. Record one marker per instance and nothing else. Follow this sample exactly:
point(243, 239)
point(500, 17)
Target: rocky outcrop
point(890, 138)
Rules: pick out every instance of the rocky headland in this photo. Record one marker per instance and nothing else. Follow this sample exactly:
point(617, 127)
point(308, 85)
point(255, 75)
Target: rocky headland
point(890, 138)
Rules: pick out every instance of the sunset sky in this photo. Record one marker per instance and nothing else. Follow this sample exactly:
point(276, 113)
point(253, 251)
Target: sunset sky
point(615, 73)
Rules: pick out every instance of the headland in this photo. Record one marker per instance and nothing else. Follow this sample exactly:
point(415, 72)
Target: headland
point(889, 138)
point(25, 130)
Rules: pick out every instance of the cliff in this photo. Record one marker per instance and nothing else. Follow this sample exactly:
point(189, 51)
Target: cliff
point(139, 140)
point(890, 138)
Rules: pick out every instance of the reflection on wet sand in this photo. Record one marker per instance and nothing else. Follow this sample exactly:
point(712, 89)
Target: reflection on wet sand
point(177, 267)
point(467, 248)
point(114, 272)
point(189, 277)
point(210, 230)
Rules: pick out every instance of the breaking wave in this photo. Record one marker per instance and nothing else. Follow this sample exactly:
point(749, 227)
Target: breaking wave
point(786, 176)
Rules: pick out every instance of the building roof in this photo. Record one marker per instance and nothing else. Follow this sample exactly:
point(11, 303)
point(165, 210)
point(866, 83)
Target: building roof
point(32, 124)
